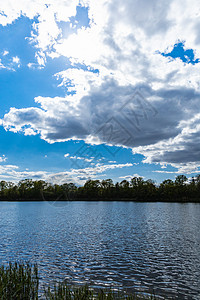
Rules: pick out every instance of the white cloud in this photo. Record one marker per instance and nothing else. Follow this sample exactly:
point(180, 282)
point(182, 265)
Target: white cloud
point(5, 52)
point(181, 171)
point(45, 30)
point(129, 177)
point(3, 158)
point(123, 45)
point(1, 65)
point(162, 137)
point(181, 151)
point(9, 63)
point(16, 59)
point(78, 176)
point(7, 172)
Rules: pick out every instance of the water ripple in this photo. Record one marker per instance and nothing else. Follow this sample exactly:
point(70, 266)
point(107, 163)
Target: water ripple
point(147, 247)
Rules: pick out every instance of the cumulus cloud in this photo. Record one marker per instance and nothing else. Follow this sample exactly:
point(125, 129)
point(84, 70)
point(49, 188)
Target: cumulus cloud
point(181, 151)
point(13, 174)
point(3, 158)
point(16, 59)
point(7, 171)
point(129, 177)
point(5, 52)
point(8, 62)
point(137, 98)
point(150, 122)
point(77, 176)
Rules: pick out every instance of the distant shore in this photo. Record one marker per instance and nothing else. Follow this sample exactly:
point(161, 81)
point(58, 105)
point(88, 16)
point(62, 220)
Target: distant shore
point(106, 200)
point(182, 190)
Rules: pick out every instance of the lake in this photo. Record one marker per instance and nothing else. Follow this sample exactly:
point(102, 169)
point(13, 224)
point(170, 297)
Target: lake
point(128, 245)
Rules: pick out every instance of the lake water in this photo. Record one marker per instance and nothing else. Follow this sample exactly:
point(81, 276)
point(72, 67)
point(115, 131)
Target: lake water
point(127, 245)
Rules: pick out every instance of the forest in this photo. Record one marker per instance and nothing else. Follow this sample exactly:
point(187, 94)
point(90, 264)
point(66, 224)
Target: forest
point(181, 189)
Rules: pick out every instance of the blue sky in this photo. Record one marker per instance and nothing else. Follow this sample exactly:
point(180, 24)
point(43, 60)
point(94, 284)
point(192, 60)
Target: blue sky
point(99, 90)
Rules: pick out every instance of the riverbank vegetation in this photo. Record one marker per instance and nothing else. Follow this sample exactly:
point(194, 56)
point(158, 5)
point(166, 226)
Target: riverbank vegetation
point(21, 281)
point(137, 189)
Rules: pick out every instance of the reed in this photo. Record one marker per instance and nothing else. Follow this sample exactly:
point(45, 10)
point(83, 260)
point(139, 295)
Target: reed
point(19, 281)
point(64, 292)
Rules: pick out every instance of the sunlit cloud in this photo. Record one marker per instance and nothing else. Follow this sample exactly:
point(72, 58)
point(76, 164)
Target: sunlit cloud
point(125, 52)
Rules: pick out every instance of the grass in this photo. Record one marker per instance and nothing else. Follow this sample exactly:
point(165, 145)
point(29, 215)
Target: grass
point(21, 282)
point(64, 292)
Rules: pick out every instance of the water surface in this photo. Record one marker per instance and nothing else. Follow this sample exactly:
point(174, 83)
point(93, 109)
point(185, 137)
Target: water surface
point(127, 245)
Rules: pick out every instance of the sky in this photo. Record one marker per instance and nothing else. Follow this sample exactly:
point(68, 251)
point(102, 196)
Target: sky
point(99, 89)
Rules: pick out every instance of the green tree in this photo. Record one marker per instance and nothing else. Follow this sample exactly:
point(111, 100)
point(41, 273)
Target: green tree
point(180, 180)
point(91, 188)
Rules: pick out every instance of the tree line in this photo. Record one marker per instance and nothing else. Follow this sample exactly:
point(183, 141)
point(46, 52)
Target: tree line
point(137, 189)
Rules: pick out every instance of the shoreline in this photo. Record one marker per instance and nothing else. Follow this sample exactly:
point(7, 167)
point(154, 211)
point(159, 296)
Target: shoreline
point(197, 201)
